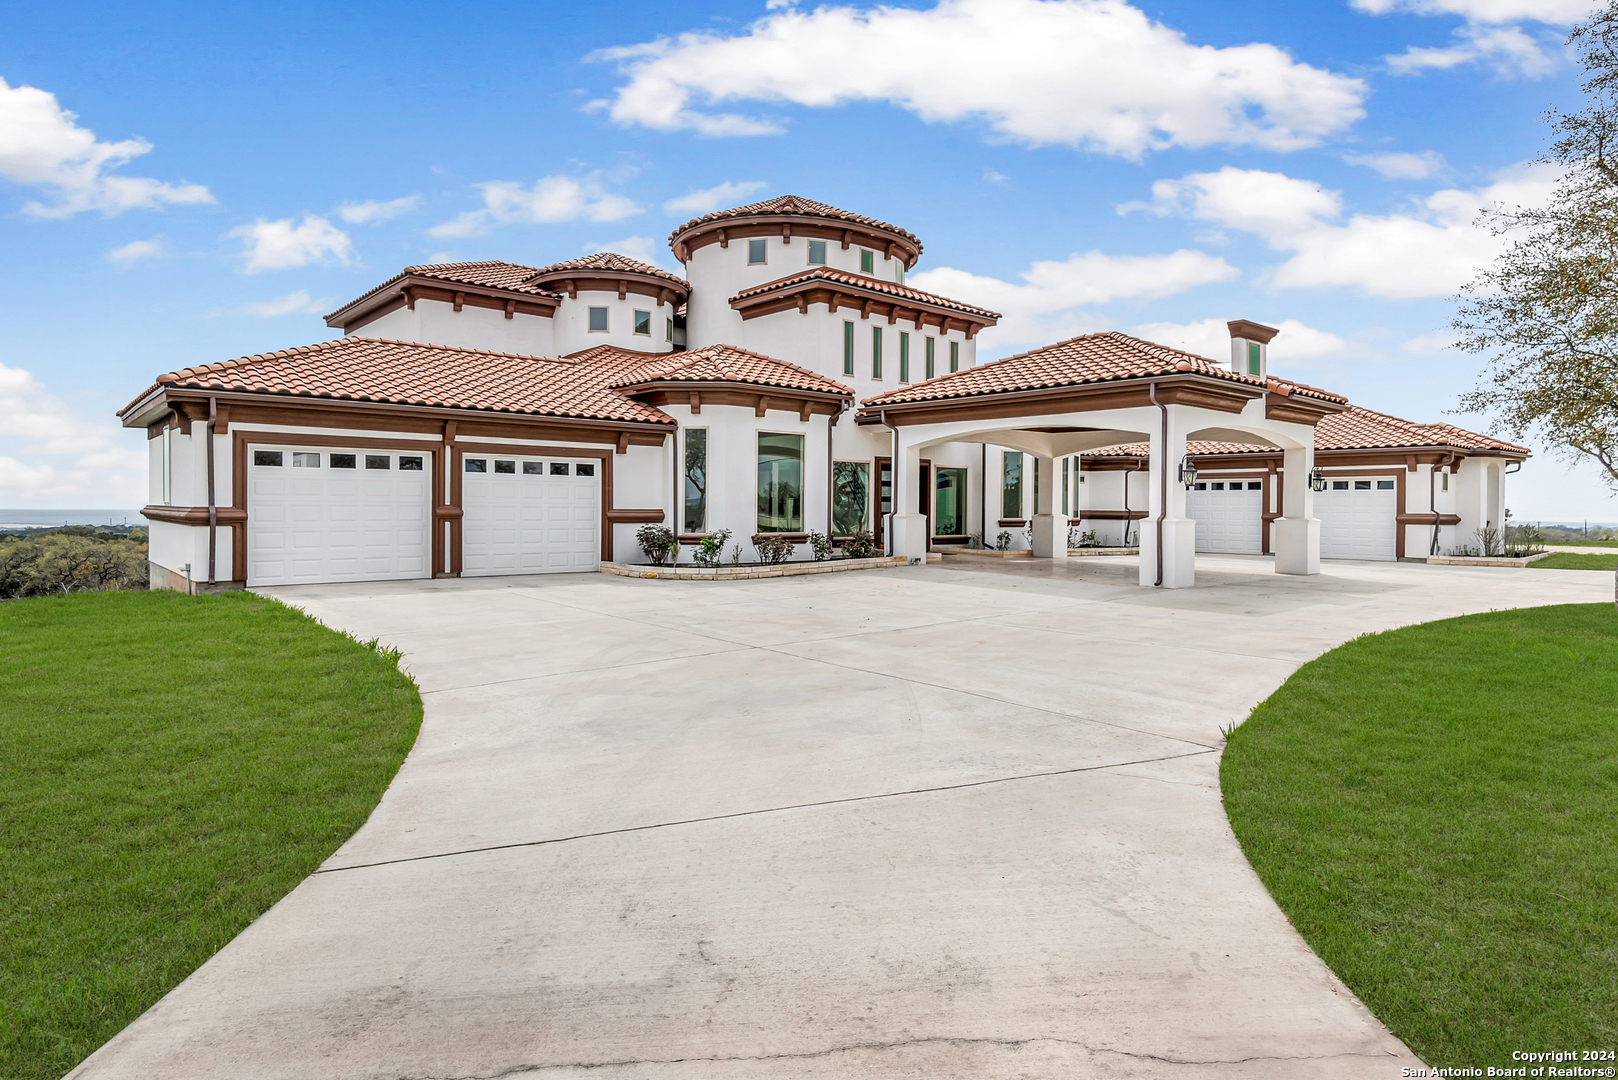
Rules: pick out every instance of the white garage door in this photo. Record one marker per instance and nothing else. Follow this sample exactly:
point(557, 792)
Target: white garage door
point(317, 515)
point(1357, 518)
point(1229, 515)
point(530, 515)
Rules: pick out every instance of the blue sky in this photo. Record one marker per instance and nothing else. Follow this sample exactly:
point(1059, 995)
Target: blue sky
point(228, 174)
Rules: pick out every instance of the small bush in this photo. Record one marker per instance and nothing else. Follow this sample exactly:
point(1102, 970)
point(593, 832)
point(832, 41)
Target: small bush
point(821, 544)
point(773, 548)
point(659, 543)
point(862, 545)
point(1003, 541)
point(711, 548)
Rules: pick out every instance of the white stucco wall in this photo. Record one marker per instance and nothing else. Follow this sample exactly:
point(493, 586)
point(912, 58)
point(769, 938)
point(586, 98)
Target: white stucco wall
point(718, 273)
point(814, 339)
point(572, 323)
point(439, 323)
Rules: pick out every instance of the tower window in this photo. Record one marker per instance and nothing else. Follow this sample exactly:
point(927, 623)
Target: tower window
point(755, 252)
point(817, 253)
point(867, 262)
point(598, 320)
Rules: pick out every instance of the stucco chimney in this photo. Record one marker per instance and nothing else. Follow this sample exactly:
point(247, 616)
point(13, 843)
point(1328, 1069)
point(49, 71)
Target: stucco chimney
point(1250, 347)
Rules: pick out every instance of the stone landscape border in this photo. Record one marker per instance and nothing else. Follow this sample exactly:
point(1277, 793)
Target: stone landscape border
point(1485, 560)
point(743, 573)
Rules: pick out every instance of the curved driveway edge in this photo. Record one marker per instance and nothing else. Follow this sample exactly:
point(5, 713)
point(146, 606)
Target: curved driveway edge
point(944, 821)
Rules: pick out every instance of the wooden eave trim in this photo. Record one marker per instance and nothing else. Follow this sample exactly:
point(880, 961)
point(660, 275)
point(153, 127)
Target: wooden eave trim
point(1297, 409)
point(635, 517)
point(195, 515)
point(845, 233)
point(598, 280)
point(820, 291)
point(1198, 390)
point(1427, 519)
point(412, 288)
point(746, 395)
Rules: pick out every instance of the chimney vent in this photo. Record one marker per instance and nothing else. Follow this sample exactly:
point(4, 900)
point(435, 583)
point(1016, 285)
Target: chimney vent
point(1250, 347)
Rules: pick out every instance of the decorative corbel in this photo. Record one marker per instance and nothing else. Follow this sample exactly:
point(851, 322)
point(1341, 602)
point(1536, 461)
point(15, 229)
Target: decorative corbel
point(696, 403)
point(763, 404)
point(623, 442)
point(511, 308)
point(460, 298)
point(724, 240)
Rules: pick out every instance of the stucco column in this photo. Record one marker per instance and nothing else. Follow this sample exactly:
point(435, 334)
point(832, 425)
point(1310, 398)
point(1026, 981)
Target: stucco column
point(1050, 526)
point(1179, 532)
point(907, 528)
point(1297, 532)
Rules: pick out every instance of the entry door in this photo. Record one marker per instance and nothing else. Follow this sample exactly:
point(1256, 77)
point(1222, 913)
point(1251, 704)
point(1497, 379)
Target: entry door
point(1358, 518)
point(530, 515)
point(319, 515)
point(1229, 515)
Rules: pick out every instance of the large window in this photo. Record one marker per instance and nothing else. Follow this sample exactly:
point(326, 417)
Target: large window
point(955, 356)
point(643, 322)
point(848, 348)
point(695, 519)
point(876, 352)
point(904, 356)
point(755, 252)
point(598, 320)
point(1011, 485)
point(929, 348)
point(817, 253)
point(950, 509)
point(780, 483)
point(850, 497)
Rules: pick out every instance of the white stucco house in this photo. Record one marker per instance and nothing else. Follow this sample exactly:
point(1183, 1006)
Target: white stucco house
point(488, 418)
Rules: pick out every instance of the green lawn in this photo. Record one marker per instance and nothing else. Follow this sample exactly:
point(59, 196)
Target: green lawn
point(1581, 543)
point(1573, 560)
point(1436, 810)
point(170, 766)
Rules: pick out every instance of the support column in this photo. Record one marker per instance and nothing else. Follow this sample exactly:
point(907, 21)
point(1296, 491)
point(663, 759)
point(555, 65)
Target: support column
point(1297, 533)
point(1179, 531)
point(907, 529)
point(1050, 526)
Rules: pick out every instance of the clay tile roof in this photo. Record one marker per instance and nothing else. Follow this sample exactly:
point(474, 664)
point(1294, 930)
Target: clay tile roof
point(799, 207)
point(727, 363)
point(490, 275)
point(408, 373)
point(1286, 388)
point(1192, 446)
point(1358, 429)
point(610, 260)
point(869, 284)
point(1092, 358)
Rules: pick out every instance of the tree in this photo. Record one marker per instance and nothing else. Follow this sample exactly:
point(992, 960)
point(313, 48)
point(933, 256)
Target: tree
point(1545, 312)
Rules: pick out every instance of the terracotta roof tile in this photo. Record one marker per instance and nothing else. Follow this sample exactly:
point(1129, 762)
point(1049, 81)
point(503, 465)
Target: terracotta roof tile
point(490, 275)
point(1192, 446)
point(1092, 358)
point(610, 260)
point(869, 284)
point(727, 363)
point(358, 368)
point(797, 206)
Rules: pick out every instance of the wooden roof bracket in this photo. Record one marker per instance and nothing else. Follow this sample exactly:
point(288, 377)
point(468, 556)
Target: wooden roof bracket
point(511, 308)
point(786, 232)
point(623, 288)
point(696, 403)
point(410, 298)
point(623, 442)
point(803, 304)
point(460, 298)
point(803, 413)
point(724, 240)
point(763, 404)
point(848, 238)
point(865, 312)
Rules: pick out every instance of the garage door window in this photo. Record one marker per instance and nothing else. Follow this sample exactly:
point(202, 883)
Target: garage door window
point(377, 461)
point(305, 461)
point(1362, 485)
point(410, 464)
point(343, 461)
point(584, 469)
point(1384, 485)
point(509, 467)
point(558, 468)
point(1339, 485)
point(533, 468)
point(477, 464)
point(267, 458)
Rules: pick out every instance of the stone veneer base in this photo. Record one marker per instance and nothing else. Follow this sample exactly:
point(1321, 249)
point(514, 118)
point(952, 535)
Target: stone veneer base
point(744, 573)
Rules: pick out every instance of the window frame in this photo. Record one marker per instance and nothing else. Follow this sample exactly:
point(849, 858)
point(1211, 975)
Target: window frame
point(867, 261)
point(876, 354)
point(1007, 485)
point(821, 244)
point(904, 356)
point(758, 494)
point(848, 347)
point(635, 320)
point(930, 349)
point(863, 519)
point(1253, 358)
point(686, 485)
point(168, 466)
point(954, 356)
point(762, 246)
point(606, 320)
point(963, 494)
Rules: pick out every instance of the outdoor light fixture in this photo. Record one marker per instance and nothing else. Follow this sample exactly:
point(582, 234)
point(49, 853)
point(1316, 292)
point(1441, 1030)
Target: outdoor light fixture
point(1317, 479)
point(1188, 471)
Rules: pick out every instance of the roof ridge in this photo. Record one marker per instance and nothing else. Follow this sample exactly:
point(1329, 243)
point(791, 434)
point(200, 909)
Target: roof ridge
point(876, 284)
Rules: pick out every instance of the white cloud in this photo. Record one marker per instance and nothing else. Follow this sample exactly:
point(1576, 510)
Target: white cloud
point(1430, 344)
point(1211, 338)
point(1048, 304)
point(50, 455)
point(298, 303)
point(710, 199)
point(134, 251)
point(276, 245)
point(1556, 12)
point(994, 177)
point(369, 213)
point(551, 200)
point(1097, 74)
point(1430, 251)
point(1401, 166)
point(42, 145)
point(1509, 50)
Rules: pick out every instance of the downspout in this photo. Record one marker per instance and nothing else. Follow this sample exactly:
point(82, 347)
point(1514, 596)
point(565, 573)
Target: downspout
point(1432, 499)
point(1163, 501)
point(213, 508)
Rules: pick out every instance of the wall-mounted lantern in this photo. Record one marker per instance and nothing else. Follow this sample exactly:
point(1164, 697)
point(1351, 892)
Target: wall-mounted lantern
point(1188, 471)
point(1317, 479)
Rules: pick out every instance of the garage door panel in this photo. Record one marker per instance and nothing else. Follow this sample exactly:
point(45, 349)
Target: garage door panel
point(1229, 515)
point(335, 524)
point(1357, 518)
point(532, 517)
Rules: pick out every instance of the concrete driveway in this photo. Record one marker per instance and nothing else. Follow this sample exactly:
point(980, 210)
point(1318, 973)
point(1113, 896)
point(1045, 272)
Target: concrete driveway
point(960, 820)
